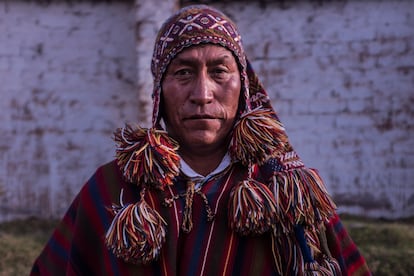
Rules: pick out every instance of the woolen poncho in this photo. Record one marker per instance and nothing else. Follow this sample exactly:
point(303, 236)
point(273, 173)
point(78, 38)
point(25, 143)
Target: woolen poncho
point(77, 246)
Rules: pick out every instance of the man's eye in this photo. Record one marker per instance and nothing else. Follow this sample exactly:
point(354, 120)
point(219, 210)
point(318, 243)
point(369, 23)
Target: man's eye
point(219, 71)
point(182, 72)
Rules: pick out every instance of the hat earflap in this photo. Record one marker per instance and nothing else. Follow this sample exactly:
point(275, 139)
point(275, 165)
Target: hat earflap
point(147, 158)
point(257, 136)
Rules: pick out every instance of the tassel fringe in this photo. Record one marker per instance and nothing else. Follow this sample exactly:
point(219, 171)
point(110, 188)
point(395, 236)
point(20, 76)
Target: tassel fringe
point(294, 253)
point(301, 198)
point(328, 262)
point(331, 266)
point(252, 208)
point(137, 232)
point(147, 156)
point(257, 136)
point(323, 269)
point(287, 255)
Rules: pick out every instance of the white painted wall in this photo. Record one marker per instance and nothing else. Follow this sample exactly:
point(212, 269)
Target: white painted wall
point(341, 76)
point(68, 79)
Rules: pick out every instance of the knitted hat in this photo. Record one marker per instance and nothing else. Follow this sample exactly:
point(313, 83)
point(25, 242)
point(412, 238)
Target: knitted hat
point(295, 199)
point(191, 26)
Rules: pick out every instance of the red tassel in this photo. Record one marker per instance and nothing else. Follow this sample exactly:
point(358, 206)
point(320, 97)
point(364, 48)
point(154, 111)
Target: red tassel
point(137, 232)
point(252, 208)
point(257, 136)
point(147, 156)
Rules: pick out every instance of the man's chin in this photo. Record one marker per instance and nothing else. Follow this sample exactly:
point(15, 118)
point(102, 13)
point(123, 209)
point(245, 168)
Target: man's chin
point(203, 141)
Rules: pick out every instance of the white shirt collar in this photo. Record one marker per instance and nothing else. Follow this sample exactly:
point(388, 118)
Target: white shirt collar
point(189, 172)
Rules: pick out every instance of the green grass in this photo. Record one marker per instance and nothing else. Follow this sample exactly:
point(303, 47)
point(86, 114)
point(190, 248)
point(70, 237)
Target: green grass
point(20, 243)
point(387, 246)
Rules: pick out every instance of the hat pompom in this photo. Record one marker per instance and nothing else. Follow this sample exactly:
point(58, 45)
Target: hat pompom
point(257, 136)
point(137, 232)
point(251, 208)
point(147, 156)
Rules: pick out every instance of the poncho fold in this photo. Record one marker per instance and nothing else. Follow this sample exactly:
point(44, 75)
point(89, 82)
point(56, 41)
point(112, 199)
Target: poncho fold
point(77, 246)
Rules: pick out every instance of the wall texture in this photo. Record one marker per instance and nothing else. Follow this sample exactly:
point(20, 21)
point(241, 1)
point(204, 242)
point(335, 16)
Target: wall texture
point(341, 75)
point(68, 79)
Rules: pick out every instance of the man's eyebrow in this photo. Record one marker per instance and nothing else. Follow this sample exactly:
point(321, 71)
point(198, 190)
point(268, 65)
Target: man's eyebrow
point(219, 60)
point(184, 61)
point(194, 61)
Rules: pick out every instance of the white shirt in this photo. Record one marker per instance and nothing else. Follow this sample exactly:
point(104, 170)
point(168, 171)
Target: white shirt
point(200, 179)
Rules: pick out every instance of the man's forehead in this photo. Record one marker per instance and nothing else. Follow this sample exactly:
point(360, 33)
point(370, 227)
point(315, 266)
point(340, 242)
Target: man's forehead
point(207, 52)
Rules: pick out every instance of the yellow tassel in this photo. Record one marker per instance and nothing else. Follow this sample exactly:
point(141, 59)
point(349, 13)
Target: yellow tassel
point(257, 136)
point(147, 156)
point(137, 232)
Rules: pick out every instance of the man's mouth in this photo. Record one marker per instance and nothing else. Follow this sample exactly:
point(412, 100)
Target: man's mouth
point(201, 117)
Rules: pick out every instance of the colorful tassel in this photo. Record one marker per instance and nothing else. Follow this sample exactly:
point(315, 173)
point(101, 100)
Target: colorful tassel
point(287, 254)
point(147, 156)
point(316, 269)
point(328, 262)
point(257, 136)
point(330, 266)
point(137, 232)
point(252, 208)
point(312, 267)
point(301, 197)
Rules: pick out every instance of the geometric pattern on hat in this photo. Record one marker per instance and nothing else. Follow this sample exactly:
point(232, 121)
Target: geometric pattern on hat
point(194, 25)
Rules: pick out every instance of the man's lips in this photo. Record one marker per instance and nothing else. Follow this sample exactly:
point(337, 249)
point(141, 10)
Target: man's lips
point(201, 117)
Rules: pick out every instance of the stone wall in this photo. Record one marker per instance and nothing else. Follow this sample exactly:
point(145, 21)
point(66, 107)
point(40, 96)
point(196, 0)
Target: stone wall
point(340, 73)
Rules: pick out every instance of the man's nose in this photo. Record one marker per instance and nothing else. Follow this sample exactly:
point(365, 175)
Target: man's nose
point(202, 92)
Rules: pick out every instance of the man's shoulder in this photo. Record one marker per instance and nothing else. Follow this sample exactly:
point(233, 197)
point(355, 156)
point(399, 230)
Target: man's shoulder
point(109, 166)
point(106, 182)
point(108, 173)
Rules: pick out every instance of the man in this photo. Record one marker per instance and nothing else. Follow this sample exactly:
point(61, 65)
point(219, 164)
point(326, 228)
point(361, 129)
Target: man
point(213, 188)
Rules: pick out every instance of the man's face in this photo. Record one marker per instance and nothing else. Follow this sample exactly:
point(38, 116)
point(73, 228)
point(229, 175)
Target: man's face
point(201, 90)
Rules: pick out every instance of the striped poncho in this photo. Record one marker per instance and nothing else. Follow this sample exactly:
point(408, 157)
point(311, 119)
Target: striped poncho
point(77, 246)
